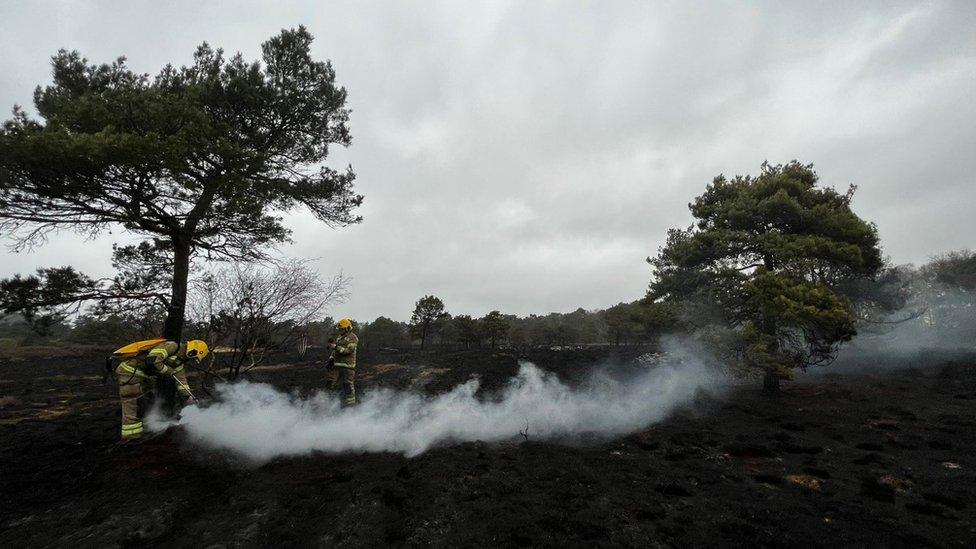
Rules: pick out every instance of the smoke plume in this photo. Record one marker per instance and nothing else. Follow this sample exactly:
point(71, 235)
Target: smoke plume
point(259, 422)
point(931, 330)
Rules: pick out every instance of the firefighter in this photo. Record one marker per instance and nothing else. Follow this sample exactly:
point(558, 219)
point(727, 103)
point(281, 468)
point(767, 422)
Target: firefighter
point(137, 375)
point(342, 373)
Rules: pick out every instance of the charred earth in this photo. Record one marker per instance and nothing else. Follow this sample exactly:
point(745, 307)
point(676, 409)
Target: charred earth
point(859, 457)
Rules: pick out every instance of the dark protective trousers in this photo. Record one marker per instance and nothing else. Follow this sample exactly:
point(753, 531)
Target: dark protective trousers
point(340, 377)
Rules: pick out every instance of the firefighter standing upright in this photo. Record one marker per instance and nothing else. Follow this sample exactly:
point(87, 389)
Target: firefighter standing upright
point(342, 374)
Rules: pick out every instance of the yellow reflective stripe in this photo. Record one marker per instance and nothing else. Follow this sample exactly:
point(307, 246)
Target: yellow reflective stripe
point(178, 369)
point(160, 352)
point(126, 369)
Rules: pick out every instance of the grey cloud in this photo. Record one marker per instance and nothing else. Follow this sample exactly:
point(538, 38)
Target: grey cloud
point(528, 156)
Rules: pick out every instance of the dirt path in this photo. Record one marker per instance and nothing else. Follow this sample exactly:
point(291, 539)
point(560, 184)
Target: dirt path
point(840, 460)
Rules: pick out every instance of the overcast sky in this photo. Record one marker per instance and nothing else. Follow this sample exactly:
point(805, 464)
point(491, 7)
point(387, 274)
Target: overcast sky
point(528, 156)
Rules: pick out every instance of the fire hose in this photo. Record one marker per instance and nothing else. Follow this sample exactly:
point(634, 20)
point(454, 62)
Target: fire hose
point(186, 388)
point(196, 365)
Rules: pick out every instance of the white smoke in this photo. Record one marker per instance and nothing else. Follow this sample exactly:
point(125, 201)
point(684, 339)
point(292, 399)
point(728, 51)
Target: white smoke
point(933, 329)
point(260, 422)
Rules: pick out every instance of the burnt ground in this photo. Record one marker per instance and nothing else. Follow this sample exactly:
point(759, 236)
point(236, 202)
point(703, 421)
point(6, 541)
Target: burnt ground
point(845, 459)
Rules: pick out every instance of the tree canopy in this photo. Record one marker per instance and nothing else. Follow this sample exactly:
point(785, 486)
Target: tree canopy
point(944, 292)
point(198, 160)
point(768, 252)
point(383, 332)
point(469, 330)
point(956, 270)
point(427, 312)
point(496, 327)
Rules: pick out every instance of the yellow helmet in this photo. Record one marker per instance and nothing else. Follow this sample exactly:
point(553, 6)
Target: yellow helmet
point(197, 348)
point(345, 324)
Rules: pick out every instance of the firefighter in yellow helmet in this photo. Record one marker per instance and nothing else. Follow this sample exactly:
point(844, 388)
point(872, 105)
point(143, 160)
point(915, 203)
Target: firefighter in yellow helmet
point(136, 375)
point(342, 374)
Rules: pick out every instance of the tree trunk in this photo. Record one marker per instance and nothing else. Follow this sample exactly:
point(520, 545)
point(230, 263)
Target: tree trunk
point(176, 313)
point(770, 377)
point(173, 327)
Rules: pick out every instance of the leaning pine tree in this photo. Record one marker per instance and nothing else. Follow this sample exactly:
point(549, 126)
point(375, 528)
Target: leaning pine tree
point(199, 161)
point(769, 252)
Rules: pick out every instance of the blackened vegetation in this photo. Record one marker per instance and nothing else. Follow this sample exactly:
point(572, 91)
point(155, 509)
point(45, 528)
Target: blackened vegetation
point(839, 459)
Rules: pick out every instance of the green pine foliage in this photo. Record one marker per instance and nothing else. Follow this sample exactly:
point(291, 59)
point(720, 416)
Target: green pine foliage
point(768, 252)
point(200, 160)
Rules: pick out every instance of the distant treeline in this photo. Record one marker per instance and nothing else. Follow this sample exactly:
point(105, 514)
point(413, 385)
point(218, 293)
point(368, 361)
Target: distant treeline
point(935, 300)
point(623, 324)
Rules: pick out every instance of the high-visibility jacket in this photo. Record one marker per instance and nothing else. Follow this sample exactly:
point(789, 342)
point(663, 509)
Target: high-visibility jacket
point(345, 350)
point(162, 360)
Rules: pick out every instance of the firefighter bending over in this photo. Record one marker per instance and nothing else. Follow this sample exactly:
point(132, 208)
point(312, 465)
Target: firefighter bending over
point(342, 374)
point(138, 372)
